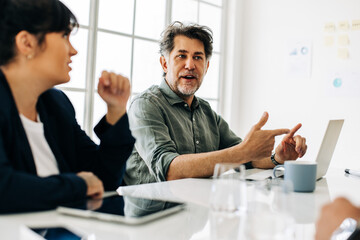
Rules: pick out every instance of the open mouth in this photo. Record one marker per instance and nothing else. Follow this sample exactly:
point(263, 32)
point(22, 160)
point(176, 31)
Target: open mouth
point(188, 77)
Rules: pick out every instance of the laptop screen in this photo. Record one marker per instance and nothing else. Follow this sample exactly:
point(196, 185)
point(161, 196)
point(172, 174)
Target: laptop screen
point(327, 147)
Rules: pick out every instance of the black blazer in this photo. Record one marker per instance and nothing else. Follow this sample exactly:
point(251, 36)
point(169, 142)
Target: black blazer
point(20, 187)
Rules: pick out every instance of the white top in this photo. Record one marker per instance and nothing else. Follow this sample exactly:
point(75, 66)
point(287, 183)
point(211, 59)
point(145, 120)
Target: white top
point(44, 158)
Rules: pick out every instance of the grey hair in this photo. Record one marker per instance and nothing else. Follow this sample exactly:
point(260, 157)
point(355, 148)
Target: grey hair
point(192, 31)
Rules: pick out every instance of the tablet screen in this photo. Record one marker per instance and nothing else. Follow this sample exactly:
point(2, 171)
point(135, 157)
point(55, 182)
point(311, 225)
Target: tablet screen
point(125, 209)
point(56, 233)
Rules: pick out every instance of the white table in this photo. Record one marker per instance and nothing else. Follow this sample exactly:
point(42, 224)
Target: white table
point(193, 223)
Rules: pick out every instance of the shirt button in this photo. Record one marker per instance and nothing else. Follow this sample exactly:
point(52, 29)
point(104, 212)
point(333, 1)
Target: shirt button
point(197, 142)
point(185, 105)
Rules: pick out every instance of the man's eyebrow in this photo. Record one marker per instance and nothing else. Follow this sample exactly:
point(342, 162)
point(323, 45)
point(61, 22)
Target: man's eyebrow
point(185, 51)
point(182, 51)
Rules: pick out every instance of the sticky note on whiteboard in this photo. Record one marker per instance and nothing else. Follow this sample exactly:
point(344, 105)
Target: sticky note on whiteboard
point(356, 24)
point(328, 41)
point(343, 53)
point(343, 40)
point(329, 27)
point(343, 26)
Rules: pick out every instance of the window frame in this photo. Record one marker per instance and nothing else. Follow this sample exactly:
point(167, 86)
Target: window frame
point(90, 78)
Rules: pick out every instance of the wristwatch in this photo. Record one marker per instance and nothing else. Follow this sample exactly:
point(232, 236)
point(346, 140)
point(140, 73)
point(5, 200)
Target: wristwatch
point(273, 160)
point(356, 234)
point(349, 228)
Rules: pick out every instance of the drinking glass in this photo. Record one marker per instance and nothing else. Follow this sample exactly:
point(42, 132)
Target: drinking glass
point(227, 201)
point(268, 212)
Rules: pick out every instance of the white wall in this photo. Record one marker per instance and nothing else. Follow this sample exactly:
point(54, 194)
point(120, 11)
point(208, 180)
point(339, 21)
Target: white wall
point(258, 66)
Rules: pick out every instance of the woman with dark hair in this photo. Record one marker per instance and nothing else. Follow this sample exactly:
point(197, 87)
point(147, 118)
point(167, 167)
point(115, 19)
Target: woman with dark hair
point(45, 157)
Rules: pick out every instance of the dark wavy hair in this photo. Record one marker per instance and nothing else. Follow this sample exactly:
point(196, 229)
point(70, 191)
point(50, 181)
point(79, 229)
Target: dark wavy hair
point(38, 17)
point(193, 31)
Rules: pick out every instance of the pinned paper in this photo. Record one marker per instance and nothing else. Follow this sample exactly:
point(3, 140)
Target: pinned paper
point(343, 53)
point(343, 26)
point(329, 27)
point(343, 40)
point(299, 58)
point(356, 25)
point(329, 41)
point(342, 83)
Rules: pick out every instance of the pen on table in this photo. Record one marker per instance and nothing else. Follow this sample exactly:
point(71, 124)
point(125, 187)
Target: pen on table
point(353, 172)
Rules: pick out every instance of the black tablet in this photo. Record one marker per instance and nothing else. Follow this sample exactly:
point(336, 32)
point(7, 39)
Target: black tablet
point(56, 233)
point(122, 209)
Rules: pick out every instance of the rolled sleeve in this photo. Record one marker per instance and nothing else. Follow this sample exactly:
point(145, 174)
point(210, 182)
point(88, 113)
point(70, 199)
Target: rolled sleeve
point(163, 165)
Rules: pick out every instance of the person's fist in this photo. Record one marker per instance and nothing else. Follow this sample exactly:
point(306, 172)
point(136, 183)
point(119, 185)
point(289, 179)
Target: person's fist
point(95, 188)
point(114, 89)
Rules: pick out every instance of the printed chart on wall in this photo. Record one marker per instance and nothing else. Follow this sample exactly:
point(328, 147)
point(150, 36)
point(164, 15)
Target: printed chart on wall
point(341, 42)
point(298, 58)
point(342, 83)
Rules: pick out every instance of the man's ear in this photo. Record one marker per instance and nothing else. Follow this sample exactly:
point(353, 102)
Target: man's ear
point(26, 44)
point(163, 63)
point(207, 66)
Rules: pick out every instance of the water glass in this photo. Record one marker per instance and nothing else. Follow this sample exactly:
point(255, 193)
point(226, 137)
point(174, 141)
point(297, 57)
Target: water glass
point(268, 213)
point(227, 201)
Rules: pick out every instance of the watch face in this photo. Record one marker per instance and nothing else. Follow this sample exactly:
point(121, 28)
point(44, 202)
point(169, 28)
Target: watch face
point(349, 223)
point(347, 228)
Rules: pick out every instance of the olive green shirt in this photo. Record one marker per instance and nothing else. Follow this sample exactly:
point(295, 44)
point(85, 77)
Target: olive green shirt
point(165, 127)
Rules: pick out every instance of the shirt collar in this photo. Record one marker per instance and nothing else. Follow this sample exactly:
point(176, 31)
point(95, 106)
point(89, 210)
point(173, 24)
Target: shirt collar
point(172, 97)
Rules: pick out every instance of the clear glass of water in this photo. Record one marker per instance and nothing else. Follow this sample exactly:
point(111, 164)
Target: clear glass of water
point(227, 201)
point(268, 212)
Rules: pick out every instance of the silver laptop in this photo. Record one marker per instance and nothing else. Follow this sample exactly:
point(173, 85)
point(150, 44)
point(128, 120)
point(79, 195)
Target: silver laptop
point(327, 147)
point(323, 158)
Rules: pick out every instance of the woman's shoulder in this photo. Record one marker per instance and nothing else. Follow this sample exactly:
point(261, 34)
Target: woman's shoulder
point(54, 96)
point(55, 100)
point(54, 93)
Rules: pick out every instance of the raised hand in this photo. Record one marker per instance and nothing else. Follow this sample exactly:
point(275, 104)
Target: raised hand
point(258, 143)
point(114, 89)
point(291, 147)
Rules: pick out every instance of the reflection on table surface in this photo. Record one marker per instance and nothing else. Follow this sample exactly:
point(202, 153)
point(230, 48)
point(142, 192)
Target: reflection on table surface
point(192, 223)
point(138, 207)
point(125, 206)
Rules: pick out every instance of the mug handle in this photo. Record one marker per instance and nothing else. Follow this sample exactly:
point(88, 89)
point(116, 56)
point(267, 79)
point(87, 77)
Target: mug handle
point(275, 169)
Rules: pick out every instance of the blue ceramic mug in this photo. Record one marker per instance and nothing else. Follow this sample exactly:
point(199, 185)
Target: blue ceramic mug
point(302, 174)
